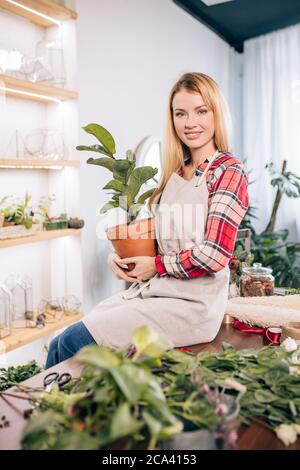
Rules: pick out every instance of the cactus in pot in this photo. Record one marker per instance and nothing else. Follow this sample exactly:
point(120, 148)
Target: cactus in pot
point(136, 237)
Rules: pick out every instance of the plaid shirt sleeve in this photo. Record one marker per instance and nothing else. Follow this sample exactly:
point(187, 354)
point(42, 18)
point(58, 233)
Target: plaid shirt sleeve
point(228, 203)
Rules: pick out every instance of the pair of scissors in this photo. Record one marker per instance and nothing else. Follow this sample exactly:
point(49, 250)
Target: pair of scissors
point(54, 378)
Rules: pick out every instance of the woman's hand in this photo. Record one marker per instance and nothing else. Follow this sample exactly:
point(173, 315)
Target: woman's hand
point(114, 262)
point(145, 267)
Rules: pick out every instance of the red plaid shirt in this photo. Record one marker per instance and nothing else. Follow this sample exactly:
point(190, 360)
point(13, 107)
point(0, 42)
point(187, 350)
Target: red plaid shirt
point(227, 185)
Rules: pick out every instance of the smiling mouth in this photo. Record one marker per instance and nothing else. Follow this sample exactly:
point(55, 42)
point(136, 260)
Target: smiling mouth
point(192, 134)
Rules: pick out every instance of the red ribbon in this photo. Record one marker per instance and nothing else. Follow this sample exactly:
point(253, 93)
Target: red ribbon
point(185, 349)
point(271, 335)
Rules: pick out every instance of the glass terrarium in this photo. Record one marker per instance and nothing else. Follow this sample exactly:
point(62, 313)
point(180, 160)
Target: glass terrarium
point(5, 312)
point(71, 305)
point(20, 288)
point(46, 144)
point(51, 309)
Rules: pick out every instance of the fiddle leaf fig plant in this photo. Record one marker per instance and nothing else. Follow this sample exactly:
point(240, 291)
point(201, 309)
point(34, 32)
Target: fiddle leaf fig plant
point(127, 179)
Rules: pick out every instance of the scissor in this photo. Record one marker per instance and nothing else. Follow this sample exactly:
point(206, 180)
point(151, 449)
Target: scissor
point(54, 378)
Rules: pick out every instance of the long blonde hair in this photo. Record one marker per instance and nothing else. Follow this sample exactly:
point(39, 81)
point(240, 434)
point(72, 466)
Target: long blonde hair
point(174, 151)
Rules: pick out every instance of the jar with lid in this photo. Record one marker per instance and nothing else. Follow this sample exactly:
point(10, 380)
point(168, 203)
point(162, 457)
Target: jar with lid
point(256, 281)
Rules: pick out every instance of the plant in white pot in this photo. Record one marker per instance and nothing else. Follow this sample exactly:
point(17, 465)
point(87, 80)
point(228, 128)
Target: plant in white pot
point(136, 237)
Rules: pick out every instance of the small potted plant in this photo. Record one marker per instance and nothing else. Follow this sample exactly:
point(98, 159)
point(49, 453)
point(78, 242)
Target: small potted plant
point(51, 223)
point(75, 222)
point(136, 237)
point(18, 218)
point(56, 223)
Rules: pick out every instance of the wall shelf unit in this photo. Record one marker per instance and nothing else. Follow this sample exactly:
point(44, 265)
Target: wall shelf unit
point(41, 12)
point(13, 163)
point(55, 267)
point(22, 336)
point(34, 91)
point(40, 236)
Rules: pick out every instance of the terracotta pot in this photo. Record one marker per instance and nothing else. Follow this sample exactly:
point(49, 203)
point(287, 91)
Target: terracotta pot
point(1, 220)
point(134, 239)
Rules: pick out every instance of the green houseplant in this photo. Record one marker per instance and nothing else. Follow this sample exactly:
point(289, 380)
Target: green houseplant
point(136, 237)
point(271, 247)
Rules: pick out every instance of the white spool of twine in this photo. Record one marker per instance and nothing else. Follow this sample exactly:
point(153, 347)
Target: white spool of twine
point(291, 330)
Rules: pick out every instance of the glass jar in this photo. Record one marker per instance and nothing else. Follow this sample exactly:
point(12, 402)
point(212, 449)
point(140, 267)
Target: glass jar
point(256, 281)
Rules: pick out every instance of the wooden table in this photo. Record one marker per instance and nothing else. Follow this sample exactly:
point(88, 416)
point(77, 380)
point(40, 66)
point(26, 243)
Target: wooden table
point(253, 437)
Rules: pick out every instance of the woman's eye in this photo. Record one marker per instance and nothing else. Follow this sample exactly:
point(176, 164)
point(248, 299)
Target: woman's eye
point(203, 111)
point(179, 114)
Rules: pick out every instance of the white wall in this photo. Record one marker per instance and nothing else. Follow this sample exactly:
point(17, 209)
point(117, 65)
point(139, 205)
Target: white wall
point(130, 52)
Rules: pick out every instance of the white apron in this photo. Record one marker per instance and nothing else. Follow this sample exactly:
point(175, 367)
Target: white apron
point(186, 310)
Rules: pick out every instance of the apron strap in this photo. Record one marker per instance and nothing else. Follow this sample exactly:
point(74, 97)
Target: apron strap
point(130, 293)
point(201, 177)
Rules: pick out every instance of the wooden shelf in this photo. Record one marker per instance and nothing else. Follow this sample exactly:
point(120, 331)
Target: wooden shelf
point(41, 12)
point(37, 164)
point(34, 91)
point(22, 336)
point(40, 236)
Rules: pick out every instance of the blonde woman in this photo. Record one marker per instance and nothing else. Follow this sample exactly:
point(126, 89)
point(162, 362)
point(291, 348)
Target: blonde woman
point(198, 206)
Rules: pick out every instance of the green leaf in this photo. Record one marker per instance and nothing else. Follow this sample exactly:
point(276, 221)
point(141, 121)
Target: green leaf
point(130, 156)
point(142, 198)
point(155, 425)
point(275, 376)
point(140, 176)
point(120, 169)
point(104, 137)
point(127, 384)
point(227, 346)
point(93, 148)
point(264, 396)
point(104, 161)
point(123, 423)
point(116, 185)
point(109, 205)
point(148, 342)
point(97, 356)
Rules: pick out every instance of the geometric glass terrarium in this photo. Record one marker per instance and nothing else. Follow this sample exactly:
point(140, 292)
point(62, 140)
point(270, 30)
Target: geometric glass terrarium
point(71, 305)
point(5, 312)
point(20, 288)
point(51, 309)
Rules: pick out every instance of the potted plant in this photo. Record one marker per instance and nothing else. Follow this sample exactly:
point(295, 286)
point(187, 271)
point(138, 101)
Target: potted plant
point(75, 222)
point(136, 237)
point(18, 219)
point(51, 223)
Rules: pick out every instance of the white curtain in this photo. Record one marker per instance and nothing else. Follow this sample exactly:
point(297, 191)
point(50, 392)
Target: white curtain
point(271, 120)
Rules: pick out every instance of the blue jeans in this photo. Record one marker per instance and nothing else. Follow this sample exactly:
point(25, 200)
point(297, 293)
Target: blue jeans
point(68, 343)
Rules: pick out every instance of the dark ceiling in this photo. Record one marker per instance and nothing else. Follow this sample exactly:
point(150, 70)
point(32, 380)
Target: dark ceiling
point(238, 20)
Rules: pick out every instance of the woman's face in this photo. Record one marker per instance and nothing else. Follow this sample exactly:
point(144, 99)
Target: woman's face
point(193, 120)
